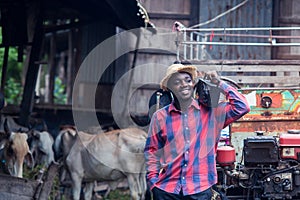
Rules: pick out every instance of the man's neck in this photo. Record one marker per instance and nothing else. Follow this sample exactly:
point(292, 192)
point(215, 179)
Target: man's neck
point(183, 105)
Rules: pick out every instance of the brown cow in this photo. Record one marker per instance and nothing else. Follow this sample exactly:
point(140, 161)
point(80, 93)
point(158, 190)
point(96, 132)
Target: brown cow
point(15, 151)
point(110, 156)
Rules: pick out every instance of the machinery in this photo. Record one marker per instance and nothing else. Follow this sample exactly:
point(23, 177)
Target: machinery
point(270, 168)
point(259, 156)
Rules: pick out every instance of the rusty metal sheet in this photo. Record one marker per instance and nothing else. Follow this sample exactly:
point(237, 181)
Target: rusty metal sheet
point(274, 126)
point(273, 104)
point(255, 13)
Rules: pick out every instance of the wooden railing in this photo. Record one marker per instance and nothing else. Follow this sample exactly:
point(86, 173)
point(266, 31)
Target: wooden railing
point(254, 73)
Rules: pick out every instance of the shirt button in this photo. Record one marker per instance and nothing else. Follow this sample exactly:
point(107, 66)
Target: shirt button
point(182, 177)
point(187, 152)
point(185, 165)
point(186, 128)
point(188, 141)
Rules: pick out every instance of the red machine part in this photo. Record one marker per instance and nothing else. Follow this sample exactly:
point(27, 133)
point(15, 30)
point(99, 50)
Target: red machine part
point(290, 146)
point(225, 156)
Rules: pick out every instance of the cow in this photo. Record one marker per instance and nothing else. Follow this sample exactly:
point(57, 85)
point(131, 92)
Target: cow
point(62, 146)
point(15, 151)
point(110, 156)
point(10, 122)
point(41, 146)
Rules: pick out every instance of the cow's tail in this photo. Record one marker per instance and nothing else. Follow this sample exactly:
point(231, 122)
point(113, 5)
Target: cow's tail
point(57, 146)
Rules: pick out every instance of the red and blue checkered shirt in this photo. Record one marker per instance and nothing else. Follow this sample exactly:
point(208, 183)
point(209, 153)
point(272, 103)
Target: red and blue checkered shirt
point(181, 146)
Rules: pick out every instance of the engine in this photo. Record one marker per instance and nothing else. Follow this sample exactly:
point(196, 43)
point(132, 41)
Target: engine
point(270, 168)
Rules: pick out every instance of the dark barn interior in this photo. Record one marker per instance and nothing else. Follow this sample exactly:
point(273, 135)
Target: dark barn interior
point(65, 31)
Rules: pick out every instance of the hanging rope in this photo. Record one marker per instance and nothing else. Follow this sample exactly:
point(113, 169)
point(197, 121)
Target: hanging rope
point(221, 15)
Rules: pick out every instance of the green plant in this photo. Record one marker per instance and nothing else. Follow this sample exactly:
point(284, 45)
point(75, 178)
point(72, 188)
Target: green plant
point(40, 171)
point(60, 96)
point(13, 91)
point(118, 195)
point(13, 87)
point(55, 189)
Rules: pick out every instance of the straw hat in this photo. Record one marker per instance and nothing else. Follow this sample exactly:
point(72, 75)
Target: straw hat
point(175, 68)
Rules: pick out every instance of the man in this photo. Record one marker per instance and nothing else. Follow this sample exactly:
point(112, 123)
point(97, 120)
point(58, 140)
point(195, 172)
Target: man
point(181, 146)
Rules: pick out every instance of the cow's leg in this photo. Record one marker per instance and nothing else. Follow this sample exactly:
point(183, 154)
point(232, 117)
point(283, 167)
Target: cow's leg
point(76, 185)
point(133, 182)
point(107, 192)
point(112, 185)
point(88, 190)
point(143, 185)
point(63, 173)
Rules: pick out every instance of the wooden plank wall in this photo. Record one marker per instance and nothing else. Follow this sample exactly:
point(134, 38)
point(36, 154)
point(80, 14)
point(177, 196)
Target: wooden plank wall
point(163, 13)
point(256, 73)
point(288, 15)
point(282, 72)
point(17, 188)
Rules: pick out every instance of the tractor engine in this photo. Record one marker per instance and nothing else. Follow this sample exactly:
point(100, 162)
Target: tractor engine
point(270, 168)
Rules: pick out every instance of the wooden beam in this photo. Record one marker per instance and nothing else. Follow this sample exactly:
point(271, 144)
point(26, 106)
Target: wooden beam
point(289, 20)
point(250, 68)
point(275, 23)
point(273, 72)
point(241, 62)
point(278, 80)
point(156, 52)
point(17, 188)
point(288, 56)
point(53, 28)
point(169, 16)
point(48, 182)
point(70, 67)
point(194, 16)
point(52, 68)
point(32, 72)
point(4, 68)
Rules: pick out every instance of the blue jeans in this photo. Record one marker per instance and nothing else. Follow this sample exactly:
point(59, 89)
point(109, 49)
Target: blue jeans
point(159, 194)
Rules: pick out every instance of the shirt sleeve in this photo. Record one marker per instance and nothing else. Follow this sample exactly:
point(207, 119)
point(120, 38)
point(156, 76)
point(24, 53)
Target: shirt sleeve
point(237, 105)
point(152, 151)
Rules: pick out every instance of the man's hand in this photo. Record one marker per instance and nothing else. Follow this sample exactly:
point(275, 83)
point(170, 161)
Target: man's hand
point(213, 76)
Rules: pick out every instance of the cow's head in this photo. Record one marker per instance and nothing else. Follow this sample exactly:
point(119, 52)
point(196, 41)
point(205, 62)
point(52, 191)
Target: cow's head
point(16, 152)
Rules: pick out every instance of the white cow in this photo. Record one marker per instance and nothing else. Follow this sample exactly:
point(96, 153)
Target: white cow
point(110, 157)
point(41, 143)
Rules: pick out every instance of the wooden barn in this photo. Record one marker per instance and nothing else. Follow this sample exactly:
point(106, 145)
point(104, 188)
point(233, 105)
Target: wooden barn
point(90, 63)
point(52, 39)
point(218, 31)
point(98, 62)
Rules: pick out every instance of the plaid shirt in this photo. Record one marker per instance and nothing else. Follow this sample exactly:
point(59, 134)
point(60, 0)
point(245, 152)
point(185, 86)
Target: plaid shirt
point(180, 149)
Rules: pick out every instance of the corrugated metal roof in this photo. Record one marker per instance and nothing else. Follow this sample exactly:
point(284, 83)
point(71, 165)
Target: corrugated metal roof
point(93, 35)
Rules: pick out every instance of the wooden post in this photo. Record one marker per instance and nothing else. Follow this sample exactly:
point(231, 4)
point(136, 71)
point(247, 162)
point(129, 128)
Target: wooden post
point(4, 68)
point(131, 74)
point(32, 72)
point(70, 67)
point(52, 68)
point(48, 182)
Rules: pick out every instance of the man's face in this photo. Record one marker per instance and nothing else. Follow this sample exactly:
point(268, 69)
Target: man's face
point(181, 84)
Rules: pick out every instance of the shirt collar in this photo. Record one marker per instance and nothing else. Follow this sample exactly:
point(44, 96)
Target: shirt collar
point(193, 104)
